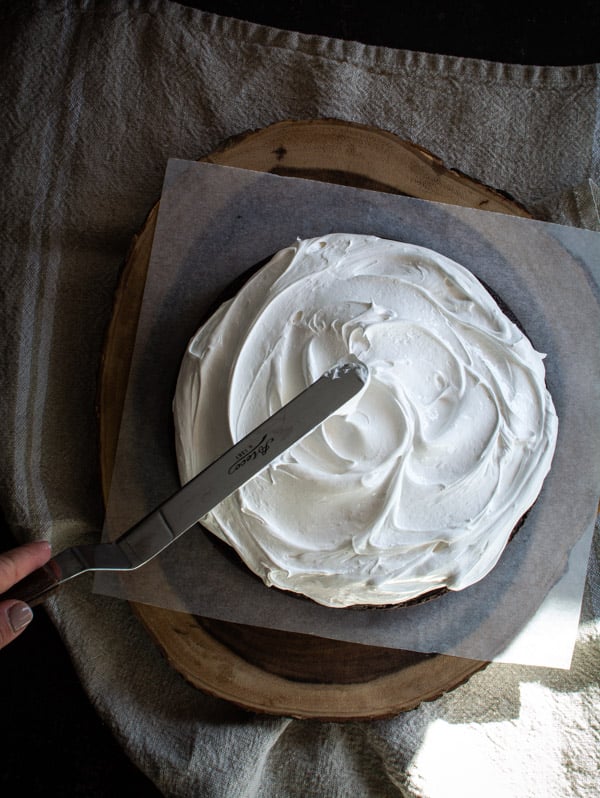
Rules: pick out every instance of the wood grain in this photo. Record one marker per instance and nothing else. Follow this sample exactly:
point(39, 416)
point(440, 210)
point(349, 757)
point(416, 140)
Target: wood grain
point(266, 670)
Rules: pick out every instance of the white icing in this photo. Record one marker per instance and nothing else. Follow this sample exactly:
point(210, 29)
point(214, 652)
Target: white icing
point(417, 484)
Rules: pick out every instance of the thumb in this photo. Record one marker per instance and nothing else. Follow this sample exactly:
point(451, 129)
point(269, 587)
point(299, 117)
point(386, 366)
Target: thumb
point(14, 617)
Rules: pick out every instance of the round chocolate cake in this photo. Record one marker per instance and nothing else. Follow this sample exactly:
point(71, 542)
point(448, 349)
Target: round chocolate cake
point(417, 484)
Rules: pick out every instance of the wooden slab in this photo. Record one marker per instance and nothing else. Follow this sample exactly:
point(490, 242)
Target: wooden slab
point(260, 669)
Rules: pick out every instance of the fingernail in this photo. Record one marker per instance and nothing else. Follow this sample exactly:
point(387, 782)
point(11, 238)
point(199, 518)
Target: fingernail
point(19, 615)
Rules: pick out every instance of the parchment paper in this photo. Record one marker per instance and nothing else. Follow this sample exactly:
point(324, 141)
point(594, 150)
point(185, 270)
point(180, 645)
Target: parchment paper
point(214, 224)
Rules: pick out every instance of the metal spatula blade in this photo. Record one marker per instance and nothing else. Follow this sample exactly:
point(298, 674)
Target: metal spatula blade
point(225, 475)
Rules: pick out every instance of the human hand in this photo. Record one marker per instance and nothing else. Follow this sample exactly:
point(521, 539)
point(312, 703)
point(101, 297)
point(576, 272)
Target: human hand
point(14, 565)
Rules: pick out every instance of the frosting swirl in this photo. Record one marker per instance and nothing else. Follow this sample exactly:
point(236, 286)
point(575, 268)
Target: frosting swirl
point(415, 485)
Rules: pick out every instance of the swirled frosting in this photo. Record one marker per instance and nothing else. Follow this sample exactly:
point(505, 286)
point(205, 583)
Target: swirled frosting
point(415, 485)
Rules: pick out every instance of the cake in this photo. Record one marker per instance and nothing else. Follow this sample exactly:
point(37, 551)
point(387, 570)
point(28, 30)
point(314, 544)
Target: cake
point(415, 486)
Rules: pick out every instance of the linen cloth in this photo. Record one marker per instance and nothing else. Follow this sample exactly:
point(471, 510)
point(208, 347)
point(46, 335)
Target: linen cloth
point(97, 97)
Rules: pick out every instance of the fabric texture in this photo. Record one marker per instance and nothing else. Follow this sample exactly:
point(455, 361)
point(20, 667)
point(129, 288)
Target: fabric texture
point(97, 97)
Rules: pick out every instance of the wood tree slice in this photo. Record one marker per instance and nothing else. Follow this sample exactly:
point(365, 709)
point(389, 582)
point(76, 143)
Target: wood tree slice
point(350, 154)
point(268, 670)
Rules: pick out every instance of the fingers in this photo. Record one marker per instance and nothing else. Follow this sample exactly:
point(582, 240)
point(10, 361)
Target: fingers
point(14, 617)
point(17, 563)
point(14, 565)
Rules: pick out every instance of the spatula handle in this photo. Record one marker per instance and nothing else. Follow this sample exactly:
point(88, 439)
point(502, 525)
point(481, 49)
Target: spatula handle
point(37, 586)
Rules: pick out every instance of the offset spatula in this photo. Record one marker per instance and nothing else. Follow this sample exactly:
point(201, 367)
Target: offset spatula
point(181, 511)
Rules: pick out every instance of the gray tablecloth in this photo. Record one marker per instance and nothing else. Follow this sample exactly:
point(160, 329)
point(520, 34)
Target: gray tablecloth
point(96, 97)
